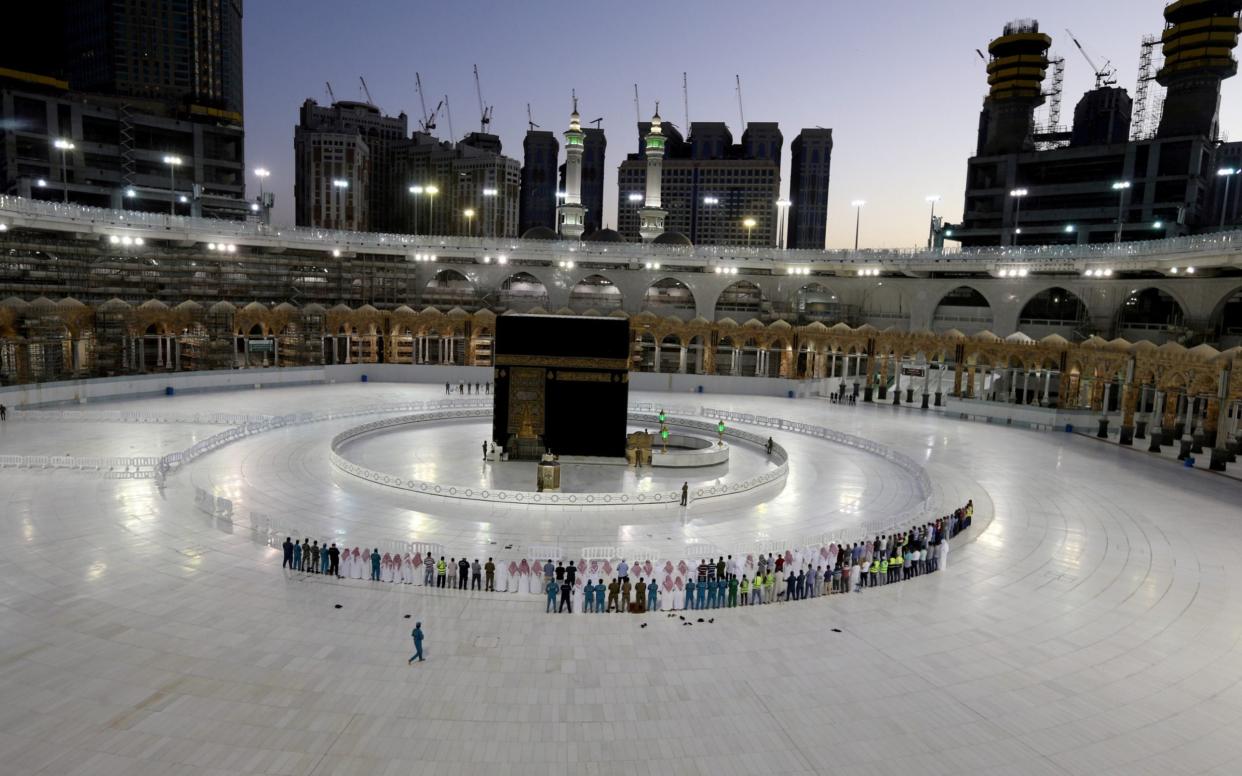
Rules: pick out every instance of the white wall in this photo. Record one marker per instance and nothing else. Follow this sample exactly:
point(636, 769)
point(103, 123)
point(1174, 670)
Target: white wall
point(83, 391)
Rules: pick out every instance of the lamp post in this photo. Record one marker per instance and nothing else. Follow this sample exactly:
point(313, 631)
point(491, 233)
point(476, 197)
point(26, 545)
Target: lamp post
point(782, 223)
point(720, 428)
point(339, 185)
point(415, 191)
point(858, 206)
point(1227, 173)
point(469, 215)
point(431, 191)
point(749, 223)
point(1017, 194)
point(489, 193)
point(261, 174)
point(931, 228)
point(173, 163)
point(65, 147)
point(1121, 187)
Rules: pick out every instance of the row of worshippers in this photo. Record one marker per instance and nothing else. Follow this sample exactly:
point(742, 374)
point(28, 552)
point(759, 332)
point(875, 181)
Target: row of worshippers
point(599, 587)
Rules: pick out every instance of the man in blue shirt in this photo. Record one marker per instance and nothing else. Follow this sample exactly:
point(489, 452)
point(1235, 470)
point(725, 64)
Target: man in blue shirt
point(653, 599)
point(623, 571)
point(600, 590)
point(297, 556)
point(710, 584)
point(588, 602)
point(417, 633)
point(375, 565)
point(690, 586)
point(551, 589)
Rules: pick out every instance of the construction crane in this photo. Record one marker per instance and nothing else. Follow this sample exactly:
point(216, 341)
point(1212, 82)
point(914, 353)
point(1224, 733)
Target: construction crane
point(1143, 97)
point(685, 99)
point(365, 90)
point(331, 96)
point(530, 121)
point(740, 114)
point(638, 115)
point(448, 111)
point(597, 121)
point(1104, 76)
point(429, 121)
point(485, 112)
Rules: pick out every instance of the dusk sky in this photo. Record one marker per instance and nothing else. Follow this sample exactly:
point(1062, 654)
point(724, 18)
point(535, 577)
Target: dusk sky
point(899, 83)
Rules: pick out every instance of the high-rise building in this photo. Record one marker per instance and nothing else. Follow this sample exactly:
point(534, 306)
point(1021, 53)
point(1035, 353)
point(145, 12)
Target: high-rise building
point(326, 126)
point(332, 179)
point(808, 189)
point(1101, 187)
point(714, 192)
point(540, 151)
point(184, 52)
point(96, 94)
point(594, 145)
point(442, 182)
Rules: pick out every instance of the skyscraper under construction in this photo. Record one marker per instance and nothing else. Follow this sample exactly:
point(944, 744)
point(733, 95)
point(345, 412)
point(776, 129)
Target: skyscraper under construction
point(1095, 184)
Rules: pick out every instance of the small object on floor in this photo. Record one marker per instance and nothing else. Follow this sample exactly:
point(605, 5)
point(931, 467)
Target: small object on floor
point(407, 617)
point(337, 606)
point(644, 625)
point(680, 617)
point(700, 619)
point(687, 623)
point(836, 630)
point(710, 621)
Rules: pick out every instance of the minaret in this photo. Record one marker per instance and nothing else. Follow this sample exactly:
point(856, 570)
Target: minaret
point(571, 214)
point(651, 217)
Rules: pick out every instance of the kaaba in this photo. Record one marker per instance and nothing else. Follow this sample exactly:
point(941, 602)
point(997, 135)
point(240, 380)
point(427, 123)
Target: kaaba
point(562, 385)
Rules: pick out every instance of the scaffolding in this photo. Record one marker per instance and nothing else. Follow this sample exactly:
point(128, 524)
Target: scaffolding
point(1148, 99)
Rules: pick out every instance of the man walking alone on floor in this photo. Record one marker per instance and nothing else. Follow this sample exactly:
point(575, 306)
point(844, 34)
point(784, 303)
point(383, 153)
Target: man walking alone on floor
point(417, 635)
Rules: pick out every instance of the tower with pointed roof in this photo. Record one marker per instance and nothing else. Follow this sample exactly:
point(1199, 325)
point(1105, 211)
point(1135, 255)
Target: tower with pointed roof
point(571, 214)
point(651, 216)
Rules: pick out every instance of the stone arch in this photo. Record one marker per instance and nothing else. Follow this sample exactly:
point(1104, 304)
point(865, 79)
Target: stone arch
point(1054, 310)
point(669, 295)
point(964, 308)
point(742, 299)
point(596, 292)
point(450, 288)
point(1151, 313)
point(816, 302)
point(522, 291)
point(1225, 320)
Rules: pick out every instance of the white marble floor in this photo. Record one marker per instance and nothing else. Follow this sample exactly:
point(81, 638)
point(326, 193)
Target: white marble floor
point(1090, 624)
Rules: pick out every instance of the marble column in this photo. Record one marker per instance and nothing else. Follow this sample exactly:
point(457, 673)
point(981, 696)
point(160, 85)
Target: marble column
point(681, 360)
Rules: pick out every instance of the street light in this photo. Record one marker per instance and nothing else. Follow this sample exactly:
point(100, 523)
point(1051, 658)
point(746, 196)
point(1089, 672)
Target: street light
point(1121, 187)
point(469, 214)
point(339, 185)
point(173, 163)
point(415, 191)
point(431, 191)
point(1227, 173)
point(931, 229)
point(749, 223)
point(1017, 194)
point(489, 192)
point(65, 147)
point(261, 174)
point(858, 206)
point(782, 223)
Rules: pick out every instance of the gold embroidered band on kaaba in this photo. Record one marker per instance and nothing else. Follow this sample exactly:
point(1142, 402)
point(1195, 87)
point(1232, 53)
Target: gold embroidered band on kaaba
point(565, 362)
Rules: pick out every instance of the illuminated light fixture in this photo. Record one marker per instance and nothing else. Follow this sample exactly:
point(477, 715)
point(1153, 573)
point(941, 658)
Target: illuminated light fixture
point(1004, 273)
point(490, 192)
point(711, 201)
point(336, 254)
point(1022, 272)
point(502, 259)
point(114, 239)
point(4, 227)
point(1108, 273)
point(1173, 271)
point(131, 193)
point(138, 241)
point(1158, 225)
point(569, 265)
point(733, 271)
point(1190, 270)
point(632, 197)
point(41, 183)
point(561, 195)
point(127, 240)
point(232, 248)
point(254, 206)
point(1069, 228)
point(487, 259)
point(182, 199)
point(719, 270)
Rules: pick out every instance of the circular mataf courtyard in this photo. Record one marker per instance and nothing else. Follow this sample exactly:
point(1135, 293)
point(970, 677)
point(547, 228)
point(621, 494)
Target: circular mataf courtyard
point(1088, 622)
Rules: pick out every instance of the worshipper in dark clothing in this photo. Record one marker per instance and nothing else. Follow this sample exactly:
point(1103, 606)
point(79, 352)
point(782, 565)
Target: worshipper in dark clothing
point(463, 573)
point(288, 553)
point(334, 561)
point(567, 600)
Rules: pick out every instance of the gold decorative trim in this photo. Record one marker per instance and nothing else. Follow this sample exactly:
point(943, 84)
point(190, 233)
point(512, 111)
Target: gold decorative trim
point(583, 377)
point(568, 362)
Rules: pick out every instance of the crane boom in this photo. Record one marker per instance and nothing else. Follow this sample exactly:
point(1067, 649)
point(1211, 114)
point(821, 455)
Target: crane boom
point(331, 96)
point(485, 113)
point(1103, 75)
point(685, 98)
point(530, 120)
point(740, 113)
point(448, 110)
point(366, 91)
point(418, 82)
